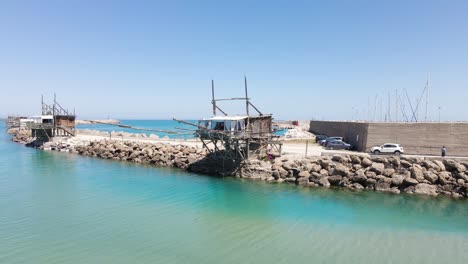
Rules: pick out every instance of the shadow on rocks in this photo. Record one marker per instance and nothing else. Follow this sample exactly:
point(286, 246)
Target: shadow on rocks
point(217, 164)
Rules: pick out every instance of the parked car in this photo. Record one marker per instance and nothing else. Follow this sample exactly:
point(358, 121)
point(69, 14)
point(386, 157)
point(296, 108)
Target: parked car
point(325, 141)
point(338, 144)
point(320, 137)
point(388, 148)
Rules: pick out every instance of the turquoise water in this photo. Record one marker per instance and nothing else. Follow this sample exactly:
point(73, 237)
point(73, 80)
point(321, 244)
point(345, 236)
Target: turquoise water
point(157, 127)
point(64, 208)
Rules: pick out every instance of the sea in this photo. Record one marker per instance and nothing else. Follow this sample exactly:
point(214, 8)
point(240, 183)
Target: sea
point(161, 128)
point(65, 208)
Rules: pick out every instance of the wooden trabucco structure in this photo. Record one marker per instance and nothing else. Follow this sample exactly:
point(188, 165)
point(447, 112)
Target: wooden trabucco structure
point(13, 121)
point(238, 137)
point(54, 121)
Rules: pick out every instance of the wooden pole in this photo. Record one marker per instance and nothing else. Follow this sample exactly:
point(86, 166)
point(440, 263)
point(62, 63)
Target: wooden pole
point(307, 147)
point(213, 102)
point(246, 96)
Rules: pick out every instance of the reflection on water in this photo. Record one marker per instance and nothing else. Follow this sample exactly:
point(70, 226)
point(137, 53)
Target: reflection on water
point(63, 208)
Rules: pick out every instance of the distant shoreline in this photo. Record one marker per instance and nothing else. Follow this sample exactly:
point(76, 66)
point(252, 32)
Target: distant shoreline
point(97, 121)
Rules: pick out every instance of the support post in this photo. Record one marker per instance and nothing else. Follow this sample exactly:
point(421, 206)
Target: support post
point(213, 102)
point(307, 147)
point(246, 97)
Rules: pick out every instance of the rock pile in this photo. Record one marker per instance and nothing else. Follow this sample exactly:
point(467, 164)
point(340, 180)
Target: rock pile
point(386, 174)
point(21, 136)
point(118, 134)
point(165, 155)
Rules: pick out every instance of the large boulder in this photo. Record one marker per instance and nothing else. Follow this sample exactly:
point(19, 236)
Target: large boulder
point(370, 183)
point(356, 186)
point(288, 165)
point(304, 174)
point(461, 175)
point(377, 167)
point(410, 181)
point(283, 173)
point(424, 188)
point(341, 170)
point(355, 159)
point(395, 161)
point(444, 177)
point(334, 180)
point(397, 179)
point(439, 164)
point(379, 159)
point(452, 165)
point(371, 174)
point(382, 185)
point(366, 162)
point(417, 173)
point(325, 163)
point(359, 179)
point(405, 163)
point(430, 176)
point(323, 172)
point(388, 172)
point(315, 168)
point(324, 182)
point(429, 165)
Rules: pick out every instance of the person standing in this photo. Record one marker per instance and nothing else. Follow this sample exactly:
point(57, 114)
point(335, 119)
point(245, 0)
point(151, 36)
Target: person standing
point(443, 151)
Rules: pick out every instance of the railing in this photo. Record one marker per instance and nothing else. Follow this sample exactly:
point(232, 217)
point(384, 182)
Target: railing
point(39, 126)
point(43, 126)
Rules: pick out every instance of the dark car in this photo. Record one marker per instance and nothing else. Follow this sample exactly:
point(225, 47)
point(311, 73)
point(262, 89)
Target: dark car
point(338, 144)
point(326, 141)
point(320, 137)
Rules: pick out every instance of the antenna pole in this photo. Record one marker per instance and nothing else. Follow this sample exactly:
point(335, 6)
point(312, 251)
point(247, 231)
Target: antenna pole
point(213, 101)
point(427, 97)
point(396, 105)
point(439, 114)
point(389, 118)
point(375, 106)
point(246, 96)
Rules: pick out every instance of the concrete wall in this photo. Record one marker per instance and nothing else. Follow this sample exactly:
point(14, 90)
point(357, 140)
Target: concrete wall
point(421, 138)
point(416, 138)
point(354, 133)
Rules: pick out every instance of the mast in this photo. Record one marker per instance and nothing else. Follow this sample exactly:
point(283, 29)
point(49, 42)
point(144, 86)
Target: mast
point(427, 97)
point(389, 99)
point(396, 105)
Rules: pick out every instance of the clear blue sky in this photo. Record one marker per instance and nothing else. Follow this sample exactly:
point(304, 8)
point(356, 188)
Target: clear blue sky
point(303, 59)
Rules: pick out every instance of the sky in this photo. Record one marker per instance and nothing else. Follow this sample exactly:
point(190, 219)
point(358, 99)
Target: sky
point(303, 59)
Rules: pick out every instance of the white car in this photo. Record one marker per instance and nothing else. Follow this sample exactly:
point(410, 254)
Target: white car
point(388, 148)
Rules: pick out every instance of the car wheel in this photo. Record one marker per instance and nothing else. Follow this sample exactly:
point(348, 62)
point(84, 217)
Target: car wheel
point(397, 153)
point(376, 152)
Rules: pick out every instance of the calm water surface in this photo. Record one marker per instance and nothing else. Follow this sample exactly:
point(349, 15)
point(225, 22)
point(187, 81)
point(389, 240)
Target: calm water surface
point(161, 128)
point(63, 208)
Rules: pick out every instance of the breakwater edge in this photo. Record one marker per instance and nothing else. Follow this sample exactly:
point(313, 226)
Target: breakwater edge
point(390, 174)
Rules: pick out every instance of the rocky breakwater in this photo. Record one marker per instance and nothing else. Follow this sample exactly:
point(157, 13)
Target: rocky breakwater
point(385, 174)
point(159, 154)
